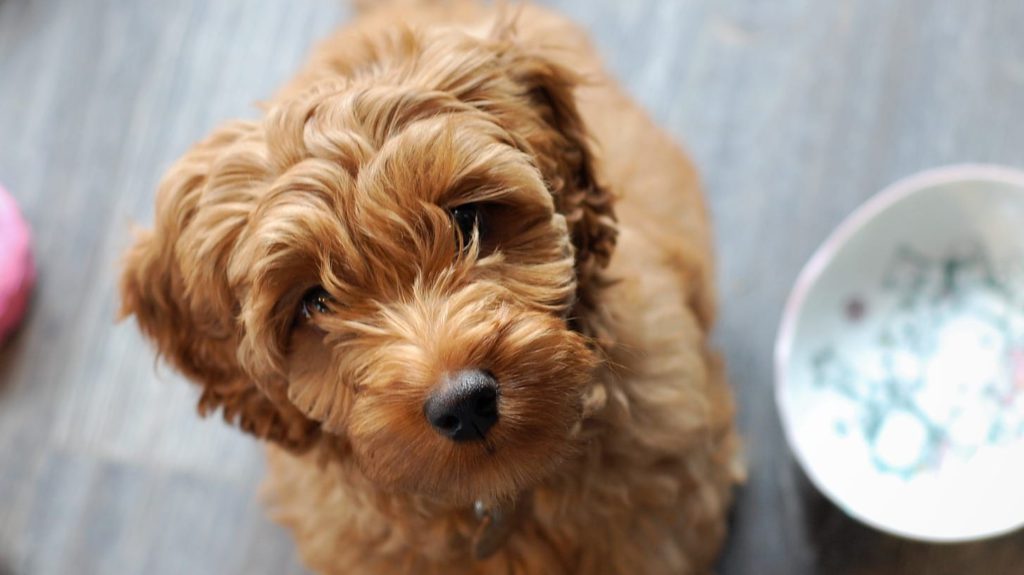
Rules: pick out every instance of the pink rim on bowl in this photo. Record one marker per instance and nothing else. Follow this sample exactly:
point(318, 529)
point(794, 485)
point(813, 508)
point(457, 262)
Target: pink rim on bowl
point(17, 270)
point(810, 275)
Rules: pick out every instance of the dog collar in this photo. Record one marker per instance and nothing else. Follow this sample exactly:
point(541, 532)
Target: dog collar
point(495, 525)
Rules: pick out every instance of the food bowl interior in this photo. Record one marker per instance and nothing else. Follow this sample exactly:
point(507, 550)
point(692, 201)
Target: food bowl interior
point(901, 358)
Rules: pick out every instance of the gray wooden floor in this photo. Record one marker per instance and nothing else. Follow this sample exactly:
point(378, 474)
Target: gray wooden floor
point(795, 110)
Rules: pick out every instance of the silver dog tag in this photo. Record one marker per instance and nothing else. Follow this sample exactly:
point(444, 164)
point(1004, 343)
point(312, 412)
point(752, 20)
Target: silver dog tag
point(495, 526)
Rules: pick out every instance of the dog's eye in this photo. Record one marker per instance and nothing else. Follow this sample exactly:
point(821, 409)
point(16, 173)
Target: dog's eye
point(316, 301)
point(468, 219)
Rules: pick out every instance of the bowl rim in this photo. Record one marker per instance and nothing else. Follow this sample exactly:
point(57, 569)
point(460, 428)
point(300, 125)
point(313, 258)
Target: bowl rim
point(808, 277)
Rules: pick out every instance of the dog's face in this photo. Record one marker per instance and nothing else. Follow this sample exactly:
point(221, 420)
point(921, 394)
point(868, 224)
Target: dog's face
point(392, 263)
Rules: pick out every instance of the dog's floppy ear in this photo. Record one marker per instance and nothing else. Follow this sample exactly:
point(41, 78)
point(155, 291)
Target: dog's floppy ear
point(568, 161)
point(174, 283)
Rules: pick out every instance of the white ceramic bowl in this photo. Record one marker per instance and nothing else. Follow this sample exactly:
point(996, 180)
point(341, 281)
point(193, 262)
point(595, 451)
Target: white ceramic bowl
point(900, 358)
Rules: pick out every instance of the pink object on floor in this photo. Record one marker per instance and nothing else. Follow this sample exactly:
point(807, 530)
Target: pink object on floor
point(17, 271)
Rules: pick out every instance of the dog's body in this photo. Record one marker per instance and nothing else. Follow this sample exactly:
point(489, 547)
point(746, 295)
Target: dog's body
point(614, 450)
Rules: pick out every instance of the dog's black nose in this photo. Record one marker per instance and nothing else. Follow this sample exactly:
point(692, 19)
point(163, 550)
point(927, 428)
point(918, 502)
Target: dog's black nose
point(465, 406)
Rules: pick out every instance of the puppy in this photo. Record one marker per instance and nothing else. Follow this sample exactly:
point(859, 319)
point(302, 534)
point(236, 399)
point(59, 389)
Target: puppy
point(461, 285)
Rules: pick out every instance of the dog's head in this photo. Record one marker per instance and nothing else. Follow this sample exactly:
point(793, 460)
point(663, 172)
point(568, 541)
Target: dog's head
point(399, 263)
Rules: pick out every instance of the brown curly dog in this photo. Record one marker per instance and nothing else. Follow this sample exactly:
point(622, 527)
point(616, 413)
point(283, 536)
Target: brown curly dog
point(473, 345)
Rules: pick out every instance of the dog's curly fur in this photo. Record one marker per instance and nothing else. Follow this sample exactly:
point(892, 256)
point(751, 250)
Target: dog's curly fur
point(589, 298)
